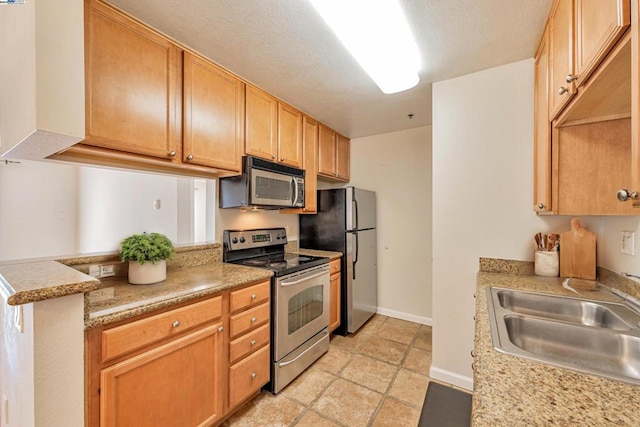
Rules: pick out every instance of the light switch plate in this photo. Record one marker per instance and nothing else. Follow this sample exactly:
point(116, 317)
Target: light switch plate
point(627, 246)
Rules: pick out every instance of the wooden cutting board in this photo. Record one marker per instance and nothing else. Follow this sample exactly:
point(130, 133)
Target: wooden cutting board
point(578, 252)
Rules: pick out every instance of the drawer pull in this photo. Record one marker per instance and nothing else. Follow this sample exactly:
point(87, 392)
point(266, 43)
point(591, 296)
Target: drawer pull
point(253, 296)
point(220, 329)
point(253, 320)
point(253, 342)
point(253, 374)
point(176, 324)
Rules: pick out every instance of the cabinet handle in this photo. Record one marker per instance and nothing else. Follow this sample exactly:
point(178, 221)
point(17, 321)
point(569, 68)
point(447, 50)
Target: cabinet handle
point(172, 153)
point(253, 342)
point(562, 90)
point(190, 157)
point(253, 296)
point(253, 320)
point(176, 324)
point(220, 329)
point(253, 375)
point(570, 78)
point(623, 195)
point(541, 206)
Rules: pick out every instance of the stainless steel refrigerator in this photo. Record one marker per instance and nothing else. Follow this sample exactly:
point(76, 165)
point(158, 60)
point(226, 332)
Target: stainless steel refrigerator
point(346, 222)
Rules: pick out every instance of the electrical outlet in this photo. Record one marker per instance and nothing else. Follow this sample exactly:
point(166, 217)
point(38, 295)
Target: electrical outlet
point(628, 243)
point(107, 270)
point(94, 271)
point(157, 204)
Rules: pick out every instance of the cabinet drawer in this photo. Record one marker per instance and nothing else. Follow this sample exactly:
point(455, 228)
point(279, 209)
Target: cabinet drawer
point(247, 297)
point(135, 335)
point(334, 266)
point(250, 319)
point(248, 376)
point(248, 343)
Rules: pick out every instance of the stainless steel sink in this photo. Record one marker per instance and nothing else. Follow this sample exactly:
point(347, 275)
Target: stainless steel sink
point(594, 337)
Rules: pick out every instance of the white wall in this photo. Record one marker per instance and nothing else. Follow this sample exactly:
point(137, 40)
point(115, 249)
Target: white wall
point(397, 166)
point(609, 244)
point(482, 198)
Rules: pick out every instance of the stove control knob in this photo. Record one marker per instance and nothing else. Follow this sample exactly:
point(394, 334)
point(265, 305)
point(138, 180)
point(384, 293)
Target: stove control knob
point(242, 240)
point(234, 240)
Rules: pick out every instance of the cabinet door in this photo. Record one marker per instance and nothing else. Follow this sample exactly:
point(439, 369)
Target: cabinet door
point(178, 383)
point(600, 23)
point(326, 152)
point(334, 302)
point(310, 139)
point(289, 136)
point(132, 80)
point(213, 115)
point(261, 124)
point(542, 131)
point(561, 53)
point(343, 157)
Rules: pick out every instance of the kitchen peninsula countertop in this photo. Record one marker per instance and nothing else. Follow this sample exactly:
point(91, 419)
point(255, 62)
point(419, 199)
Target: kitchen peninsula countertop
point(512, 391)
point(124, 300)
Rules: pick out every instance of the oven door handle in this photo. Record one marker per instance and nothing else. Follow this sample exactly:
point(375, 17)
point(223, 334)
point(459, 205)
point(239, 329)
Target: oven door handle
point(283, 364)
point(304, 279)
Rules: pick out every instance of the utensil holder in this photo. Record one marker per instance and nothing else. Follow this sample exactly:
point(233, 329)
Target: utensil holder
point(547, 263)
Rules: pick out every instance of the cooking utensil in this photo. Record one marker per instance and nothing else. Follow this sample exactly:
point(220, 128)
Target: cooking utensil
point(538, 239)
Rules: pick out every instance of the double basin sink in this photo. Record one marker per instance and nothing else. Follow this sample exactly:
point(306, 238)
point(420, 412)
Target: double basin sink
point(595, 337)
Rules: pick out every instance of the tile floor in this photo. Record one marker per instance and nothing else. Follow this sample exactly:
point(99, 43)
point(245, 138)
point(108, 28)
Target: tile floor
point(376, 377)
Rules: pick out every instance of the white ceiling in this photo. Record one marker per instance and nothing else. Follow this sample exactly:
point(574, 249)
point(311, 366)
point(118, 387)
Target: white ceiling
point(284, 47)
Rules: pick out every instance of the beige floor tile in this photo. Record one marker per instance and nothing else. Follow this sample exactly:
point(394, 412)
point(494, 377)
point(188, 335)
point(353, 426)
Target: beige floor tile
point(385, 350)
point(403, 323)
point(333, 360)
point(312, 419)
point(410, 387)
point(352, 342)
point(348, 403)
point(374, 323)
point(266, 410)
point(418, 360)
point(308, 386)
point(368, 372)
point(396, 332)
point(423, 339)
point(397, 414)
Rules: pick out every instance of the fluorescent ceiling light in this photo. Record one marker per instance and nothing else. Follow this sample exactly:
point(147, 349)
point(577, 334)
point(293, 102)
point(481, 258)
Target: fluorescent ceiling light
point(376, 33)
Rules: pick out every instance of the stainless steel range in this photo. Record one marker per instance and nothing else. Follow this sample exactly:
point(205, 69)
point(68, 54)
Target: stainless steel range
point(299, 303)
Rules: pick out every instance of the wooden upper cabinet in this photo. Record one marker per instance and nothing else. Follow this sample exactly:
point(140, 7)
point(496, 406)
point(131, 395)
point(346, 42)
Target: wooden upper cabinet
point(213, 115)
point(561, 33)
point(542, 130)
point(599, 25)
point(326, 152)
point(343, 157)
point(310, 164)
point(132, 85)
point(261, 124)
point(289, 136)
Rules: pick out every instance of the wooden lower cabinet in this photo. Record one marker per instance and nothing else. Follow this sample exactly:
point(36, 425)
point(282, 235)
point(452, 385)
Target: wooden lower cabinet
point(334, 295)
point(179, 366)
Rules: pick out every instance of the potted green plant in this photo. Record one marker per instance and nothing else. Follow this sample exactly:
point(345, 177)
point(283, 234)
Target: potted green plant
point(147, 254)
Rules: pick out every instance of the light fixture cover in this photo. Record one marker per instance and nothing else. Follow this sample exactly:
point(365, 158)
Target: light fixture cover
point(377, 34)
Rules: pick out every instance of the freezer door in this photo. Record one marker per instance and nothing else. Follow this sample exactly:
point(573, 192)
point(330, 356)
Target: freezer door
point(361, 209)
point(361, 279)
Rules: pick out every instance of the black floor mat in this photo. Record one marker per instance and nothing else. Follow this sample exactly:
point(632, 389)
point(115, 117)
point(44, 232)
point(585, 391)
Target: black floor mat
point(445, 407)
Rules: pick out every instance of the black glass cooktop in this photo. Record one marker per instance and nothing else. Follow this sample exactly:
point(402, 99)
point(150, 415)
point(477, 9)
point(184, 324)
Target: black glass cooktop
point(284, 263)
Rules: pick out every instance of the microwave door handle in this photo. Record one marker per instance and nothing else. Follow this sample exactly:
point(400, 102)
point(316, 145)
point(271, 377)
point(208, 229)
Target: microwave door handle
point(295, 190)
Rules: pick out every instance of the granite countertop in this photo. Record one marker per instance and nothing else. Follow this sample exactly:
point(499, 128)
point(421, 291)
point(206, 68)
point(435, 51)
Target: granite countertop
point(317, 252)
point(510, 390)
point(118, 300)
point(25, 282)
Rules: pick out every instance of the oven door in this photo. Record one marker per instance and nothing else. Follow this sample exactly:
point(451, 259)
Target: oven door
point(275, 189)
point(301, 307)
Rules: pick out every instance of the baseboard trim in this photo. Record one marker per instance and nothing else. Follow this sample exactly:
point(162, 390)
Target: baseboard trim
point(405, 316)
point(451, 378)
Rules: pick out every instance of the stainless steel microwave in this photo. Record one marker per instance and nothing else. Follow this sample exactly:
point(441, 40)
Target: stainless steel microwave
point(263, 184)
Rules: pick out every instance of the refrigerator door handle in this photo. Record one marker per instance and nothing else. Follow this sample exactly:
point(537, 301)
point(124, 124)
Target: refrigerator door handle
point(355, 205)
point(355, 254)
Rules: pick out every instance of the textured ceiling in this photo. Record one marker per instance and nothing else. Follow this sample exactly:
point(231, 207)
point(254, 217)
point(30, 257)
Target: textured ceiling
point(284, 47)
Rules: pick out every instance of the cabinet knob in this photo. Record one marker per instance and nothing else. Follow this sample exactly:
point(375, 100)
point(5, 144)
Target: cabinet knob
point(273, 156)
point(176, 324)
point(473, 353)
point(623, 195)
point(540, 206)
point(570, 78)
point(282, 159)
point(253, 375)
point(190, 157)
point(253, 342)
point(220, 329)
point(253, 296)
point(562, 91)
point(172, 153)
point(253, 320)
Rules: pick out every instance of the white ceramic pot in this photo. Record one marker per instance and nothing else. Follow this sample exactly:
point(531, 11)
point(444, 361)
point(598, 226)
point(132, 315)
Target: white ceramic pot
point(147, 273)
